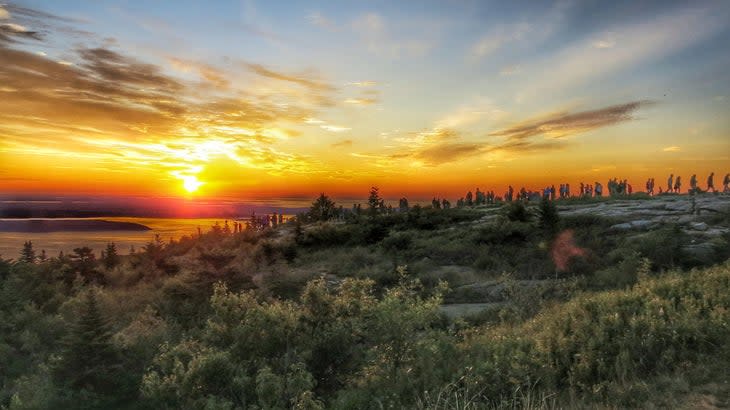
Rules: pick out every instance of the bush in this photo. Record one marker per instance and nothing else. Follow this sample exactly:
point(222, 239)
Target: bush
point(517, 212)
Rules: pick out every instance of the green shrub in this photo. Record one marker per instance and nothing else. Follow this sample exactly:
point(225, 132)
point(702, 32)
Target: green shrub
point(517, 212)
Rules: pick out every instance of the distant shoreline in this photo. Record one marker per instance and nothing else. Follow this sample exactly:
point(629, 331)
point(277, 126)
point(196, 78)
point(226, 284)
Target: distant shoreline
point(36, 225)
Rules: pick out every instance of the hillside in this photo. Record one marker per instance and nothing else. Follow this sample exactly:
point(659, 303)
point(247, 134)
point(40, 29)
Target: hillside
point(578, 303)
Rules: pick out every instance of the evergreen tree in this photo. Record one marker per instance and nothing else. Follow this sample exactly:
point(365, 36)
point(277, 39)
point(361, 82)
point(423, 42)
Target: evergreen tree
point(110, 257)
point(549, 217)
point(322, 209)
point(27, 255)
point(84, 261)
point(375, 202)
point(89, 368)
point(43, 256)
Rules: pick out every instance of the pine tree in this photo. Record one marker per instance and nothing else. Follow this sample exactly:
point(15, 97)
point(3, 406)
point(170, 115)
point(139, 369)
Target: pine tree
point(375, 202)
point(110, 256)
point(89, 364)
point(322, 209)
point(27, 255)
point(549, 218)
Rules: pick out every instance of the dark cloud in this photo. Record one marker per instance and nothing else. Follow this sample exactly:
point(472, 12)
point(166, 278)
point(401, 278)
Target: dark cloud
point(11, 32)
point(448, 152)
point(112, 66)
point(565, 124)
point(446, 146)
point(24, 12)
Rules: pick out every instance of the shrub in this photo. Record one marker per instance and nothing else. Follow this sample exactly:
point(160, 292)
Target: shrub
point(517, 211)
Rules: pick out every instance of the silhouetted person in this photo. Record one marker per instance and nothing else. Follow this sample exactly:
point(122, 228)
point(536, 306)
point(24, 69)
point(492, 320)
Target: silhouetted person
point(711, 182)
point(678, 184)
point(693, 183)
point(670, 182)
point(726, 183)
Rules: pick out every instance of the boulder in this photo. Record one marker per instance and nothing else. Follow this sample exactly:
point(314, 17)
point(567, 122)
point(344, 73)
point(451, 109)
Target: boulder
point(698, 226)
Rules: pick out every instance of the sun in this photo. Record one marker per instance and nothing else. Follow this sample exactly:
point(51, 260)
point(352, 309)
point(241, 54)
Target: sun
point(191, 183)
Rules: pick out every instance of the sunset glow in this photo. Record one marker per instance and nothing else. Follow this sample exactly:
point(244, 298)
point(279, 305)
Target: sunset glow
point(267, 100)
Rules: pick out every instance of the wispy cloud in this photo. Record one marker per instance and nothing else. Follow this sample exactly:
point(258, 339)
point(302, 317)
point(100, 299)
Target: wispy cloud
point(342, 144)
point(302, 80)
point(624, 46)
point(360, 101)
point(318, 19)
point(368, 83)
point(673, 148)
point(510, 69)
point(499, 37)
point(534, 30)
point(207, 72)
point(334, 128)
point(131, 113)
point(564, 124)
point(12, 32)
point(379, 39)
point(607, 41)
point(471, 113)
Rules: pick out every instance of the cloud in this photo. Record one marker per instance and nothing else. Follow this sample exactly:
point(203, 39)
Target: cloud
point(510, 69)
point(608, 43)
point(447, 152)
point(4, 14)
point(11, 31)
point(334, 128)
point(360, 101)
point(113, 66)
point(342, 144)
point(296, 79)
point(498, 37)
point(565, 124)
point(318, 19)
point(100, 104)
point(536, 29)
point(631, 44)
point(363, 83)
point(469, 114)
point(673, 148)
point(207, 72)
point(380, 40)
point(446, 145)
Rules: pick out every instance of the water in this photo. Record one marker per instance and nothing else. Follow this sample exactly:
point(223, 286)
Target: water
point(53, 242)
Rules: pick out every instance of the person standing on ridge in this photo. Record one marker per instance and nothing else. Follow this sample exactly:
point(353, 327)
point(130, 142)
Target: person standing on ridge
point(711, 182)
point(693, 184)
point(678, 185)
point(670, 187)
point(726, 183)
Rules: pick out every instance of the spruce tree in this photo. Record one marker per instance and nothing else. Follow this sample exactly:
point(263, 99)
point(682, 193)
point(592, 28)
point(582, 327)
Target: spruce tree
point(89, 367)
point(27, 255)
point(375, 202)
point(549, 218)
point(111, 257)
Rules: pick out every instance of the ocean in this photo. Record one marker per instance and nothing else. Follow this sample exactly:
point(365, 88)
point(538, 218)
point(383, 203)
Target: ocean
point(53, 242)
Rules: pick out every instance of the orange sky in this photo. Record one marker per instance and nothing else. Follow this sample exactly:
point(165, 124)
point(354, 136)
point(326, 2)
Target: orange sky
point(338, 100)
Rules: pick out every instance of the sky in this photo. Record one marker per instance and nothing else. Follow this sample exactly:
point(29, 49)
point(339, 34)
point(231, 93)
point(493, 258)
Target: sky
point(268, 99)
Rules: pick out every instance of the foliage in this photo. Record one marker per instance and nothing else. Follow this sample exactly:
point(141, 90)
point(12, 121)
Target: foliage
point(549, 218)
point(324, 314)
point(322, 209)
point(517, 212)
point(27, 254)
